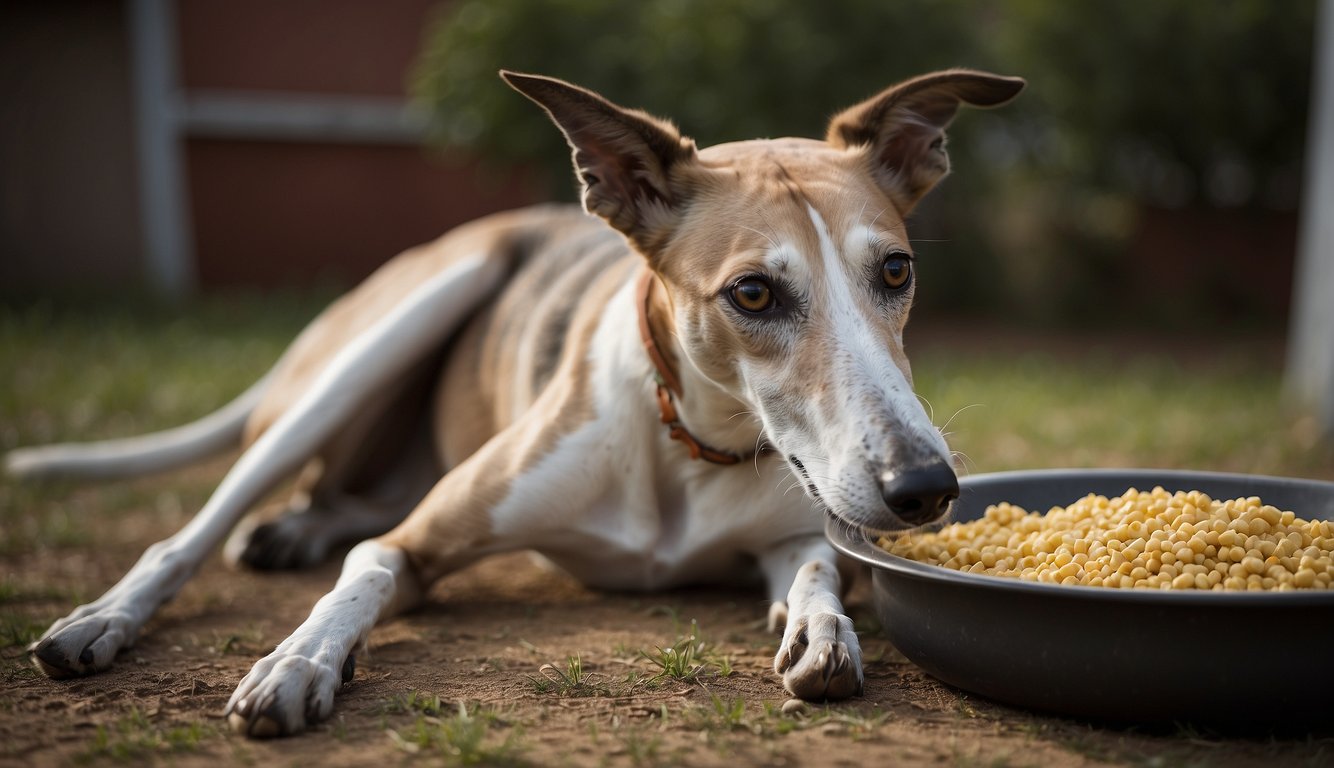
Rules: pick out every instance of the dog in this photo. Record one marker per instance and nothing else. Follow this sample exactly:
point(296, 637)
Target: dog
point(629, 390)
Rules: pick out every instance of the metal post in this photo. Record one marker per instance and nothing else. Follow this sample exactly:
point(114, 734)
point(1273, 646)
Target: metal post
point(1310, 369)
point(163, 198)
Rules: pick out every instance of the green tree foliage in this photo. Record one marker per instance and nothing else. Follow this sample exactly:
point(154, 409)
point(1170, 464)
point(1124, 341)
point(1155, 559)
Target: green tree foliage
point(723, 69)
point(1170, 102)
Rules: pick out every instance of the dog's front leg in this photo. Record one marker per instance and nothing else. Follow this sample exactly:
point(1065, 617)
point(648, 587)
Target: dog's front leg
point(295, 684)
point(819, 657)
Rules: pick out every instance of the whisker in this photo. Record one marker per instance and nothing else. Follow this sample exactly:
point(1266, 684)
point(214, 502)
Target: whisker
point(949, 421)
point(930, 409)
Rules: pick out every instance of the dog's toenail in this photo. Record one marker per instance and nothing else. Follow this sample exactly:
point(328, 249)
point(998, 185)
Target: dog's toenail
point(86, 657)
point(349, 667)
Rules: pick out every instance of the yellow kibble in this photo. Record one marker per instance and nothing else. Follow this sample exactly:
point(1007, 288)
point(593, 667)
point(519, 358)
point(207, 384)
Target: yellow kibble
point(1139, 540)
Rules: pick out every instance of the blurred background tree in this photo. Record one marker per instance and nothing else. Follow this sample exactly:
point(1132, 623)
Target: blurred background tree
point(1151, 172)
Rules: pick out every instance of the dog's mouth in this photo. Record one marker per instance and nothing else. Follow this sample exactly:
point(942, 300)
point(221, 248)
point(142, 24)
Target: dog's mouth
point(912, 498)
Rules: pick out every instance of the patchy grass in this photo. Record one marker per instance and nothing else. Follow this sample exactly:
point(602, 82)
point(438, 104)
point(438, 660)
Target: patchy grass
point(96, 371)
point(135, 738)
point(1040, 401)
point(416, 702)
point(18, 631)
point(244, 642)
point(471, 736)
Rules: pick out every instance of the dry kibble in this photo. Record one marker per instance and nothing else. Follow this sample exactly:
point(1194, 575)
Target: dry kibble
point(1138, 540)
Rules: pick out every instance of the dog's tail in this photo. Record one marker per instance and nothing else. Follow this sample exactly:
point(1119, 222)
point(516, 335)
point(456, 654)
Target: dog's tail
point(143, 454)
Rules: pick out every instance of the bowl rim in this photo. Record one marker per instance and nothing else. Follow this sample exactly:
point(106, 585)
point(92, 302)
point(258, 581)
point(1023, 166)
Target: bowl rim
point(857, 544)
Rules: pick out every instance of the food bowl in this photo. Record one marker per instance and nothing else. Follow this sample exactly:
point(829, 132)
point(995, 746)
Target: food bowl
point(1128, 655)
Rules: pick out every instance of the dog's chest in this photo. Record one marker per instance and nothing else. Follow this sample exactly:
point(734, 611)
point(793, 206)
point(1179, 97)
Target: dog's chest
point(703, 525)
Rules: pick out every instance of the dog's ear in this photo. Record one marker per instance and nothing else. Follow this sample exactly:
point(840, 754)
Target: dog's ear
point(903, 128)
point(629, 163)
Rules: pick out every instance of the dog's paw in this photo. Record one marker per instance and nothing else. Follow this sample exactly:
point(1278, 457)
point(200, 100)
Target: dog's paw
point(84, 642)
point(293, 541)
point(286, 692)
point(820, 658)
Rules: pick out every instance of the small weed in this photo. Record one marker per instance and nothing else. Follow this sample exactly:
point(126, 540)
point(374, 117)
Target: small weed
point(977, 759)
point(731, 714)
point(466, 738)
point(677, 661)
point(416, 702)
point(854, 722)
point(689, 658)
point(965, 707)
point(134, 738)
point(641, 749)
point(19, 630)
point(246, 642)
point(775, 719)
point(572, 681)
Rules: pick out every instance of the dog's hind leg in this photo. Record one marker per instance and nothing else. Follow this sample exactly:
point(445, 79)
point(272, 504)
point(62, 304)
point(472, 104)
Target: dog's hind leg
point(88, 639)
point(515, 492)
point(364, 482)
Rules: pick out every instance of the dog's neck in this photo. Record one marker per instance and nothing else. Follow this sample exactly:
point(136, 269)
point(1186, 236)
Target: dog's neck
point(712, 425)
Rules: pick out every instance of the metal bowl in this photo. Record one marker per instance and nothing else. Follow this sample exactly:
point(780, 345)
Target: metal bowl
point(1113, 654)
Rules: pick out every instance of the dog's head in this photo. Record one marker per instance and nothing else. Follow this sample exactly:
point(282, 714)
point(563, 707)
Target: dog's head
point(790, 274)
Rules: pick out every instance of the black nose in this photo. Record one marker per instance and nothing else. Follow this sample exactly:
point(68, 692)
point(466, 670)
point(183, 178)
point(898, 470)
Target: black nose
point(922, 494)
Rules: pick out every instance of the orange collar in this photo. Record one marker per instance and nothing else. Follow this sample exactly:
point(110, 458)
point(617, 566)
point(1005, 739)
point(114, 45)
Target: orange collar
point(668, 385)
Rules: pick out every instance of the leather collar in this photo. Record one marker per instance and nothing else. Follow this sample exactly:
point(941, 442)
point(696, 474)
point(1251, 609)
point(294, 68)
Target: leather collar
point(669, 385)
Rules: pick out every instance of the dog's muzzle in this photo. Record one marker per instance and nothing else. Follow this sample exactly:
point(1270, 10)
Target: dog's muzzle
point(922, 494)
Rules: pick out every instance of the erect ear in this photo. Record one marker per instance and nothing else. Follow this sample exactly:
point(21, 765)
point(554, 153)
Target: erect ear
point(629, 163)
point(904, 127)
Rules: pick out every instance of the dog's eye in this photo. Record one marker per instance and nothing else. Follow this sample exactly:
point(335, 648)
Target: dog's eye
point(752, 295)
point(896, 271)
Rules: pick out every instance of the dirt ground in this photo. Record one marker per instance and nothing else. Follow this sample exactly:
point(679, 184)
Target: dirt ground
point(461, 681)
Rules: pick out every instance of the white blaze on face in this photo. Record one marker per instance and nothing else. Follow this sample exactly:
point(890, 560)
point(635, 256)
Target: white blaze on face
point(856, 421)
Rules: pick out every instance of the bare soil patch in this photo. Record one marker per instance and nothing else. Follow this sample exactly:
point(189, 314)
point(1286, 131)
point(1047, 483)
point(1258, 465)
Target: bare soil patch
point(479, 648)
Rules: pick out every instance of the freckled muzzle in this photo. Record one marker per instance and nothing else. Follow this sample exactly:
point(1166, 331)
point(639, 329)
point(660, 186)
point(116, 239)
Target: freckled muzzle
point(922, 494)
